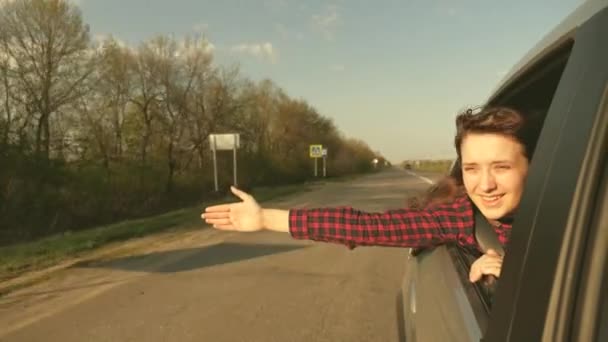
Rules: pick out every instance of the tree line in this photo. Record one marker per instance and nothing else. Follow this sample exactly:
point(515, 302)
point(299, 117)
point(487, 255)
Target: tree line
point(92, 132)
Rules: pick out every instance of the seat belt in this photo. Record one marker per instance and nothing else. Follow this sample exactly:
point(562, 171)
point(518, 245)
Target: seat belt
point(486, 235)
point(487, 239)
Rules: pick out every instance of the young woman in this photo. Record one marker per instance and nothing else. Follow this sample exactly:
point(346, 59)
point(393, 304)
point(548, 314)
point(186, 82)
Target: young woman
point(494, 148)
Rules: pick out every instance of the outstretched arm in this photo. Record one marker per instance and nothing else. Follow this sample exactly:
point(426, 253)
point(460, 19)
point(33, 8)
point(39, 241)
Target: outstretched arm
point(403, 227)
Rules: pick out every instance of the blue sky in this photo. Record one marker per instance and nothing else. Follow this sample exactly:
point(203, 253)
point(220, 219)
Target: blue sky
point(393, 73)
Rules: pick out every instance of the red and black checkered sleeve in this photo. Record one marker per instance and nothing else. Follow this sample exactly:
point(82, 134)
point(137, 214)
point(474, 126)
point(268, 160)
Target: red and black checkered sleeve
point(401, 227)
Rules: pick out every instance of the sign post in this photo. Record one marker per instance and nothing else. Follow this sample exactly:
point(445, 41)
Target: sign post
point(218, 142)
point(315, 151)
point(214, 148)
point(235, 144)
point(324, 162)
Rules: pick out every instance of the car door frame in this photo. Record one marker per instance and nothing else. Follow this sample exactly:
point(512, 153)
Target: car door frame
point(544, 261)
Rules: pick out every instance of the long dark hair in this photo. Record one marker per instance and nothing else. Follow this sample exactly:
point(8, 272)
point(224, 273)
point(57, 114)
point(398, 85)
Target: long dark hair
point(498, 120)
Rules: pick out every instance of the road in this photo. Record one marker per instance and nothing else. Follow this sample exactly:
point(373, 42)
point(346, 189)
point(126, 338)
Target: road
point(208, 285)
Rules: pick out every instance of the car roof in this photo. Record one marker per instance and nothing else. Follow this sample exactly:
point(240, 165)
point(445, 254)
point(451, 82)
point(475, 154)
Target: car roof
point(552, 39)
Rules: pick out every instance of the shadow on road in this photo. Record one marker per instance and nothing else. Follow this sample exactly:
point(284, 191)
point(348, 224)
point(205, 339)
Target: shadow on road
point(192, 258)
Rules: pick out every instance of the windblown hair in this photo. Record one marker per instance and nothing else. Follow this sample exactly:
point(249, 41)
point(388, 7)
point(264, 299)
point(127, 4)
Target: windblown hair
point(496, 120)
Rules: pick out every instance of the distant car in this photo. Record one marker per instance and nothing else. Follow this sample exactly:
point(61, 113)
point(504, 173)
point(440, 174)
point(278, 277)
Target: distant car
point(407, 166)
point(554, 281)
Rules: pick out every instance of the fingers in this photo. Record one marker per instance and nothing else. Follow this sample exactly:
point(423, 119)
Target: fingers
point(224, 226)
point(478, 271)
point(217, 218)
point(487, 264)
point(491, 269)
point(485, 269)
point(475, 274)
point(219, 208)
point(218, 221)
point(215, 215)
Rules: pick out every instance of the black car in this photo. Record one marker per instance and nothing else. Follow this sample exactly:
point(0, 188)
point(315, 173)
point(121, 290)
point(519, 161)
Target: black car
point(554, 281)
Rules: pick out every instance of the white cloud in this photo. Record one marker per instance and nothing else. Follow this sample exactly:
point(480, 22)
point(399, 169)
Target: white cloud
point(100, 38)
point(189, 47)
point(327, 21)
point(200, 27)
point(260, 50)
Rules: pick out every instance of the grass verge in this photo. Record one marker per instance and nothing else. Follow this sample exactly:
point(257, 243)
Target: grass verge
point(26, 257)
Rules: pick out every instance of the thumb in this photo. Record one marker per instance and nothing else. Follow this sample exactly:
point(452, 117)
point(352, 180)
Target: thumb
point(474, 274)
point(239, 193)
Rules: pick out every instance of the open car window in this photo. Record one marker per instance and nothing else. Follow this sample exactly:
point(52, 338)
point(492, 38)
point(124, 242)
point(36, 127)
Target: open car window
point(532, 94)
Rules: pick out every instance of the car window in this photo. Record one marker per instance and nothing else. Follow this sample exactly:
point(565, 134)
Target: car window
point(532, 93)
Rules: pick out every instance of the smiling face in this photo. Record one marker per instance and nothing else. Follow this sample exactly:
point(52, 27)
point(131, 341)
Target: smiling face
point(494, 169)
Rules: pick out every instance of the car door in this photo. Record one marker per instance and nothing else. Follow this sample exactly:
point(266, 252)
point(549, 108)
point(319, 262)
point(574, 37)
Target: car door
point(436, 306)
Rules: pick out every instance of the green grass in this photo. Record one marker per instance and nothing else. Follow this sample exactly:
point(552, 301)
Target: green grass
point(46, 252)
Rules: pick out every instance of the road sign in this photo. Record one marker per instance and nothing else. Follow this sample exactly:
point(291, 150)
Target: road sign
point(324, 152)
point(316, 151)
point(228, 141)
point(219, 142)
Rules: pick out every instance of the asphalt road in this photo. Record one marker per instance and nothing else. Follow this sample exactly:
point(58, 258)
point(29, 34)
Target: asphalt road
point(217, 286)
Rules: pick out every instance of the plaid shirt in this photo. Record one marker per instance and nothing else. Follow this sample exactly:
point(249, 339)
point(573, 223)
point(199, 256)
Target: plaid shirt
point(432, 226)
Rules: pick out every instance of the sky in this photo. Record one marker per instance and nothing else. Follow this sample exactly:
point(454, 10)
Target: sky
point(393, 73)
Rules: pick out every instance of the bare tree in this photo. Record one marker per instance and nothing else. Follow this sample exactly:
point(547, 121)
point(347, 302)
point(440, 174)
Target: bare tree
point(214, 105)
point(6, 108)
point(115, 85)
point(49, 44)
point(103, 111)
point(174, 87)
point(146, 93)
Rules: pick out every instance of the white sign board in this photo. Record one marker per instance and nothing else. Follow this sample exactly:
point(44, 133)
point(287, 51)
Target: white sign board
point(217, 142)
point(229, 141)
point(324, 152)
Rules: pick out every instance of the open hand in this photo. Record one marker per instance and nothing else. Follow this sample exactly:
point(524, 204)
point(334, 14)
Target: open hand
point(245, 216)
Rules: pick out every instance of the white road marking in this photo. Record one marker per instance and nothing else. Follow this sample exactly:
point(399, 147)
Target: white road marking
point(420, 177)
